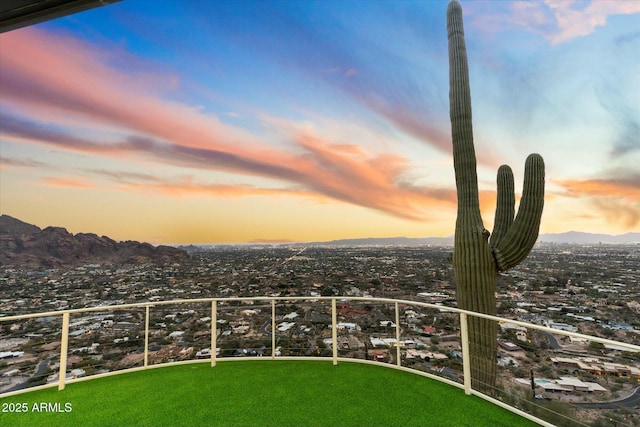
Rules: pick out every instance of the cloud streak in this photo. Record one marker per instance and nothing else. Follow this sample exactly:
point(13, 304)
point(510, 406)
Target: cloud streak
point(69, 182)
point(558, 21)
point(28, 163)
point(574, 20)
point(73, 81)
point(618, 199)
point(344, 107)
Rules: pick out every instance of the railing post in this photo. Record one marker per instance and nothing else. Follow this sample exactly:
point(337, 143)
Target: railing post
point(398, 361)
point(273, 329)
point(146, 336)
point(466, 359)
point(214, 331)
point(334, 330)
point(64, 345)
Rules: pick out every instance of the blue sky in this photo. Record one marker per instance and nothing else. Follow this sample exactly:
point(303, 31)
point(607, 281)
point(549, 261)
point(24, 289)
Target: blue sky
point(210, 121)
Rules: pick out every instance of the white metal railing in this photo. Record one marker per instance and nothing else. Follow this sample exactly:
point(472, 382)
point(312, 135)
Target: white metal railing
point(215, 302)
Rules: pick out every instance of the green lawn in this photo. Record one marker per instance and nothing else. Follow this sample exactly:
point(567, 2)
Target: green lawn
point(260, 393)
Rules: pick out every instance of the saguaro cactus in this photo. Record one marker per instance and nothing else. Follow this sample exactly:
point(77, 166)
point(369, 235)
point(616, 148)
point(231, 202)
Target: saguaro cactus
point(476, 258)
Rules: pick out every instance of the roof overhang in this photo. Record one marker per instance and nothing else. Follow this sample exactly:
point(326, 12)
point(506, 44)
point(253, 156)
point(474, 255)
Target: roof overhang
point(16, 14)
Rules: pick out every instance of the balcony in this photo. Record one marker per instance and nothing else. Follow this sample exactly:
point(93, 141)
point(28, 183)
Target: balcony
point(284, 342)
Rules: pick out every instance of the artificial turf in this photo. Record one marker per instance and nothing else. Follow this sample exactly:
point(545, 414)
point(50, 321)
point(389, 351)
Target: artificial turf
point(258, 393)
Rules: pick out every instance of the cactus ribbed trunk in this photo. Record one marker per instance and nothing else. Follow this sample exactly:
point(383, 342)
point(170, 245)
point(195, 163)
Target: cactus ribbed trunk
point(476, 261)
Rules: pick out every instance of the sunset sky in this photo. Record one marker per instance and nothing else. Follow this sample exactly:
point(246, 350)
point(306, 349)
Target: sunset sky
point(191, 121)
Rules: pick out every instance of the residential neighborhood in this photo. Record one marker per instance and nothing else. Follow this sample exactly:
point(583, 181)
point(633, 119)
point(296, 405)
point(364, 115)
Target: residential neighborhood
point(586, 289)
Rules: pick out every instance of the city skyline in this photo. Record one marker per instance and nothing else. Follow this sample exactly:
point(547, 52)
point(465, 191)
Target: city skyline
point(232, 122)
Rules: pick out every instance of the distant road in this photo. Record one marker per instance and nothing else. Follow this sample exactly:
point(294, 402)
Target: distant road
point(632, 401)
point(40, 370)
point(553, 342)
point(265, 328)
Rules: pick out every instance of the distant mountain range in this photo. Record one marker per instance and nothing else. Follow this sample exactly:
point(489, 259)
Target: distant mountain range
point(571, 237)
point(391, 241)
point(26, 245)
point(589, 238)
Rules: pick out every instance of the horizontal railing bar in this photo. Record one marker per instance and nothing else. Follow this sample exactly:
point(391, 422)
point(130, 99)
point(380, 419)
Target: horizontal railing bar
point(630, 347)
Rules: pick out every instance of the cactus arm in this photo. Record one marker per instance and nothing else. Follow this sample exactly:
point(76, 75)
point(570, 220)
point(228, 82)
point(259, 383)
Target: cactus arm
point(505, 206)
point(523, 233)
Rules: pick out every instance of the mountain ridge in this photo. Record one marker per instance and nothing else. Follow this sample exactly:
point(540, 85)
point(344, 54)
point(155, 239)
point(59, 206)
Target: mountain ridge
point(569, 237)
point(26, 245)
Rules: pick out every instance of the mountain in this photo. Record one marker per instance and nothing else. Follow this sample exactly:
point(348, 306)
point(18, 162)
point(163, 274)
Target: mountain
point(571, 237)
point(579, 237)
point(27, 245)
point(393, 241)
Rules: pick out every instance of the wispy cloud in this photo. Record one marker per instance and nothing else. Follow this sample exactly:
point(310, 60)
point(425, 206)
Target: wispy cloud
point(69, 182)
point(73, 81)
point(576, 18)
point(27, 163)
point(177, 187)
point(374, 76)
point(613, 94)
point(559, 21)
point(617, 199)
point(625, 187)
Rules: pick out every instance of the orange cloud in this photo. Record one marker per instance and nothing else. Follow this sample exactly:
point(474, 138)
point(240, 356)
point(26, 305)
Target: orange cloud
point(617, 188)
point(186, 189)
point(5, 161)
point(69, 182)
point(75, 81)
point(617, 200)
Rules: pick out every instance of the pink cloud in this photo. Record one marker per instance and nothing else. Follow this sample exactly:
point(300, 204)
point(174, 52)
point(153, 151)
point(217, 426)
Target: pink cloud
point(189, 188)
point(29, 163)
point(616, 199)
point(557, 20)
point(74, 80)
point(69, 182)
point(574, 21)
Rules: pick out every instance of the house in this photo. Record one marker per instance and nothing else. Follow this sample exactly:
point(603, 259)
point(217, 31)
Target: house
point(250, 352)
point(379, 355)
point(350, 342)
point(377, 342)
point(175, 334)
point(564, 385)
point(521, 336)
point(349, 327)
point(285, 326)
point(205, 353)
point(428, 330)
point(509, 346)
point(424, 355)
point(11, 373)
point(76, 373)
point(8, 354)
point(576, 384)
point(290, 316)
point(240, 329)
point(345, 310)
point(561, 326)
